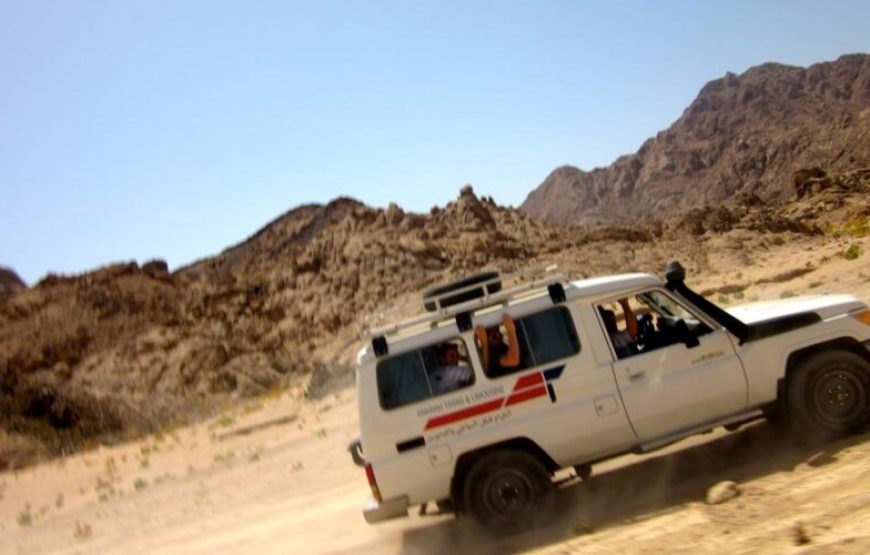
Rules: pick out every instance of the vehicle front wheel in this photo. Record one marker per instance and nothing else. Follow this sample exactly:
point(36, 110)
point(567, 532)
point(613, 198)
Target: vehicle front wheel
point(508, 490)
point(829, 395)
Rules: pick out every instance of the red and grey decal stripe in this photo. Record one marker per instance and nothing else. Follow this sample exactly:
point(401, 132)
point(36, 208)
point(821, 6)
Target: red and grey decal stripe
point(528, 387)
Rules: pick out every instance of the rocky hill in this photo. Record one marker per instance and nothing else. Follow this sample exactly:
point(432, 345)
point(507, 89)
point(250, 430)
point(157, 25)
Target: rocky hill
point(128, 348)
point(745, 133)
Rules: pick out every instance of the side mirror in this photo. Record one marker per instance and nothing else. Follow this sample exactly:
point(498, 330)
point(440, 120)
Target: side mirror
point(686, 336)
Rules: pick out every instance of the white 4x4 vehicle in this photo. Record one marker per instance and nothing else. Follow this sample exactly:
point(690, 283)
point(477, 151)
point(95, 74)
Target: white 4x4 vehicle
point(475, 404)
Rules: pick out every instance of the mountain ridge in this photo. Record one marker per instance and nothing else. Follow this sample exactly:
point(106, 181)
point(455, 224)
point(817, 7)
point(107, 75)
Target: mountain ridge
point(744, 133)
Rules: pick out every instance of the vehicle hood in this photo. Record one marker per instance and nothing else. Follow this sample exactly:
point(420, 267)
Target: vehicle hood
point(823, 305)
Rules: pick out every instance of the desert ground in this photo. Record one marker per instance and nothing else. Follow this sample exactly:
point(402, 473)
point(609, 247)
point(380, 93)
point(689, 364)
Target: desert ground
point(272, 475)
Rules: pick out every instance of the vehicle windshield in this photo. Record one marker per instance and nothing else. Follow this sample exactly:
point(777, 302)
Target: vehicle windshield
point(666, 306)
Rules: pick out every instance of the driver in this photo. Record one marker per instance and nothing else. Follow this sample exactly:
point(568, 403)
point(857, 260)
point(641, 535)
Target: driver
point(625, 341)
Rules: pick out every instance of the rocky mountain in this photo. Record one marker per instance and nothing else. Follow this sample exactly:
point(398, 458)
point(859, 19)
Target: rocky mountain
point(743, 134)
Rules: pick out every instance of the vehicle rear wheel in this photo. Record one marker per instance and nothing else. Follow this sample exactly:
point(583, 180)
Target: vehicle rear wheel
point(508, 489)
point(829, 395)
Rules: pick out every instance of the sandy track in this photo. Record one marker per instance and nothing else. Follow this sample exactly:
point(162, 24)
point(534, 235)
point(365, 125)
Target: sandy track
point(300, 492)
point(205, 488)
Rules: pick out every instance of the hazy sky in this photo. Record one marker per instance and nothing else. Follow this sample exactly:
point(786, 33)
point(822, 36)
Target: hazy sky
point(172, 129)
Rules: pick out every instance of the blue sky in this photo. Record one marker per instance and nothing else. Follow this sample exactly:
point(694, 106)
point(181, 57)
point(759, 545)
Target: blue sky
point(172, 129)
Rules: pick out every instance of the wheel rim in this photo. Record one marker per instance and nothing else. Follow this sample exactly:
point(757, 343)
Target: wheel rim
point(839, 397)
point(508, 493)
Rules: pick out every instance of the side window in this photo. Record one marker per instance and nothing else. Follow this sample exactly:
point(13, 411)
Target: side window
point(622, 320)
point(424, 373)
point(550, 335)
point(533, 340)
point(648, 321)
point(402, 380)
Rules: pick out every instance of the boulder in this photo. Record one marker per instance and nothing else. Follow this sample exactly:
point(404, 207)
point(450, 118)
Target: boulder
point(722, 492)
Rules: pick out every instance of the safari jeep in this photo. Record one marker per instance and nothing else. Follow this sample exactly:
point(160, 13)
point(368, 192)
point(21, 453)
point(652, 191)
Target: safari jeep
point(477, 402)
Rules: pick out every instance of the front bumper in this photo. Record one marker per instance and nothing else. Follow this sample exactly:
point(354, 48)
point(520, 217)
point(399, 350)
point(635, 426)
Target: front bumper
point(385, 510)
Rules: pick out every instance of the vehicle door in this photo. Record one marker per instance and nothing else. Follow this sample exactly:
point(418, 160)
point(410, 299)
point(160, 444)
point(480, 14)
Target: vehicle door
point(558, 395)
point(680, 371)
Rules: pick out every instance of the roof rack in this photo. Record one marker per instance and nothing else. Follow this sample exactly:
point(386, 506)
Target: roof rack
point(550, 275)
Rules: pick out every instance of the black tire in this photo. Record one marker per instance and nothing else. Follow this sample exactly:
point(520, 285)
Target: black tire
point(508, 490)
point(829, 396)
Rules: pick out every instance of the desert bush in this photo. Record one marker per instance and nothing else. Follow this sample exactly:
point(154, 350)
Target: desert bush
point(25, 517)
point(83, 531)
point(853, 252)
point(859, 227)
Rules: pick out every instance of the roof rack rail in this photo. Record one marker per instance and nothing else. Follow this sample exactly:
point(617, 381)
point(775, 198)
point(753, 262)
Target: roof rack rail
point(548, 275)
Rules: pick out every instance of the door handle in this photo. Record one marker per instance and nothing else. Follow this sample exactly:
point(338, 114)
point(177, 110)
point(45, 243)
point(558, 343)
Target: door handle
point(634, 372)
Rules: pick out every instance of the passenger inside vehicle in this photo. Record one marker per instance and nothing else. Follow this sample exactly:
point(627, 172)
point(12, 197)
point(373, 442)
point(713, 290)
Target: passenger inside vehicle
point(450, 373)
point(499, 356)
point(647, 322)
point(624, 341)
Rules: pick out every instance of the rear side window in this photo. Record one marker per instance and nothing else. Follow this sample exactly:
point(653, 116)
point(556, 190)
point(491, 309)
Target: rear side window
point(402, 380)
point(540, 339)
point(428, 372)
point(550, 335)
